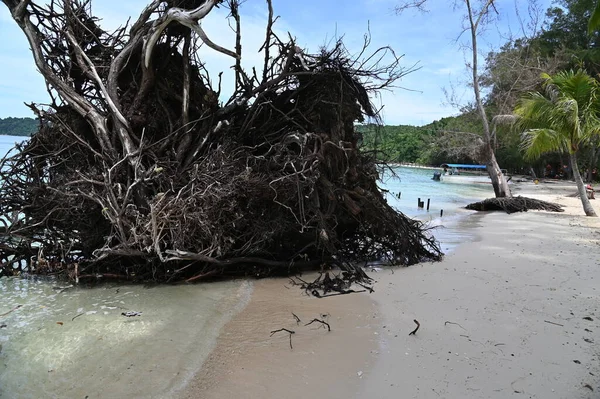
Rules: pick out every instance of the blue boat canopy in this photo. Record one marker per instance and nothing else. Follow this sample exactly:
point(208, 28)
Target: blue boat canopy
point(462, 166)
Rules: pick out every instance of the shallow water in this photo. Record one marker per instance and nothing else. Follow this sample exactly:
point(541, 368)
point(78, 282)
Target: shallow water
point(455, 226)
point(75, 342)
point(8, 142)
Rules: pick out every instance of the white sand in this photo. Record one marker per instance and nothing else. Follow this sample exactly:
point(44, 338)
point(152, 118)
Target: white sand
point(516, 298)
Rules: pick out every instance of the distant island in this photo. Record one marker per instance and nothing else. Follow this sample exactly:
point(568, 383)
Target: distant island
point(18, 126)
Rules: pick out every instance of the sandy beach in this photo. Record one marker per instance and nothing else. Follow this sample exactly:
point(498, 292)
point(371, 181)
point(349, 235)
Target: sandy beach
point(513, 312)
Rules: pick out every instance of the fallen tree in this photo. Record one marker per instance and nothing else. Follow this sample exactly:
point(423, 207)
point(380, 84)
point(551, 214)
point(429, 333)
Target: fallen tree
point(514, 204)
point(140, 172)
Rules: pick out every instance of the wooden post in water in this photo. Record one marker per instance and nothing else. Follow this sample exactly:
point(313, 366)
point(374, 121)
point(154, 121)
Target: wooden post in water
point(419, 203)
point(441, 212)
point(428, 200)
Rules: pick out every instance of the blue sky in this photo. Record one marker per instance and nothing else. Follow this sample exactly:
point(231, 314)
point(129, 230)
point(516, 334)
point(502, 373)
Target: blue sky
point(429, 39)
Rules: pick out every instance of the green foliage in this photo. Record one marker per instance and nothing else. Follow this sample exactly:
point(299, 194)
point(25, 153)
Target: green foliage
point(401, 143)
point(18, 126)
point(563, 44)
point(562, 117)
point(594, 22)
point(567, 26)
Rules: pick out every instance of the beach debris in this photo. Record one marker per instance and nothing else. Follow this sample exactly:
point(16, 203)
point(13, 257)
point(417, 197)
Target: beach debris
point(80, 314)
point(514, 204)
point(12, 310)
point(413, 332)
point(60, 323)
point(359, 374)
point(3, 326)
point(456, 324)
point(576, 362)
point(585, 318)
point(290, 332)
point(551, 322)
point(131, 313)
point(323, 323)
point(588, 386)
point(298, 321)
point(326, 286)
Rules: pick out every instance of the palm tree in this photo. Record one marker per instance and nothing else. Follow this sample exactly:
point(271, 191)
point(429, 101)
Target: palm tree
point(594, 22)
point(561, 118)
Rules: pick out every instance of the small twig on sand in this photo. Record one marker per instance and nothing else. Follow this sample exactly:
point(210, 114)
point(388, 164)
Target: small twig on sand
point(413, 332)
point(551, 322)
point(319, 321)
point(286, 330)
point(12, 310)
point(80, 314)
point(456, 324)
point(298, 321)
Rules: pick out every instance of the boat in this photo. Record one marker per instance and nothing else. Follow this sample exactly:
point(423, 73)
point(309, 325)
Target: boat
point(464, 174)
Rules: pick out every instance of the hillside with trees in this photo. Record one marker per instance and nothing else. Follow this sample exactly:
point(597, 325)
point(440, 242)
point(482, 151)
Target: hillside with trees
point(18, 126)
point(560, 43)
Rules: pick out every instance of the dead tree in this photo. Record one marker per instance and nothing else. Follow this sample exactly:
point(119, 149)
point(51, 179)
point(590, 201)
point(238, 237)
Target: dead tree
point(140, 170)
point(476, 17)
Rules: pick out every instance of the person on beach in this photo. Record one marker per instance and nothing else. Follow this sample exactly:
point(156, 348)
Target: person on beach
point(590, 191)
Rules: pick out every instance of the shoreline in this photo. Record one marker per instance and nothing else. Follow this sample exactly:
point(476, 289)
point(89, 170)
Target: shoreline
point(499, 292)
point(251, 362)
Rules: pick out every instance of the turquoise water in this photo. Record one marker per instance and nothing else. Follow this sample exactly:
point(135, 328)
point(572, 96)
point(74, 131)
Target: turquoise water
point(415, 183)
point(456, 224)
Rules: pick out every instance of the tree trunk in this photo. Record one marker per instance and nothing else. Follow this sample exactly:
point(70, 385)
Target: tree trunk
point(593, 160)
point(587, 206)
point(498, 179)
point(532, 172)
point(499, 182)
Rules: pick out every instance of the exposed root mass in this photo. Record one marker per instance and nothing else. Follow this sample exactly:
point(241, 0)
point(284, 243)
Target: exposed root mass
point(141, 171)
point(514, 204)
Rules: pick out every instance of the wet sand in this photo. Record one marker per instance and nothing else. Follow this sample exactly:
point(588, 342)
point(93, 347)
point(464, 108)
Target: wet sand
point(250, 363)
point(513, 312)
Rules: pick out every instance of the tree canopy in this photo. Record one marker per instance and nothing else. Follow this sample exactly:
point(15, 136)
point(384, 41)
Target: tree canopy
point(18, 126)
point(561, 118)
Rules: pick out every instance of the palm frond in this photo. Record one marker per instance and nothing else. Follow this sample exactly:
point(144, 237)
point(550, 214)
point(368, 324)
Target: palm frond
point(536, 142)
point(594, 22)
point(569, 107)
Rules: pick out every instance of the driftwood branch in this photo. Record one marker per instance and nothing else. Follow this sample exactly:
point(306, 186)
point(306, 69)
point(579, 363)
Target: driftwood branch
point(290, 332)
point(324, 323)
point(413, 332)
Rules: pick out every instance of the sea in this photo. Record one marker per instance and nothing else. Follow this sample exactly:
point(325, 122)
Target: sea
point(62, 341)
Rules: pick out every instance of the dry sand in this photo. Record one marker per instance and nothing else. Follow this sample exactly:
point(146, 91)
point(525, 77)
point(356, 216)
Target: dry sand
point(514, 312)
